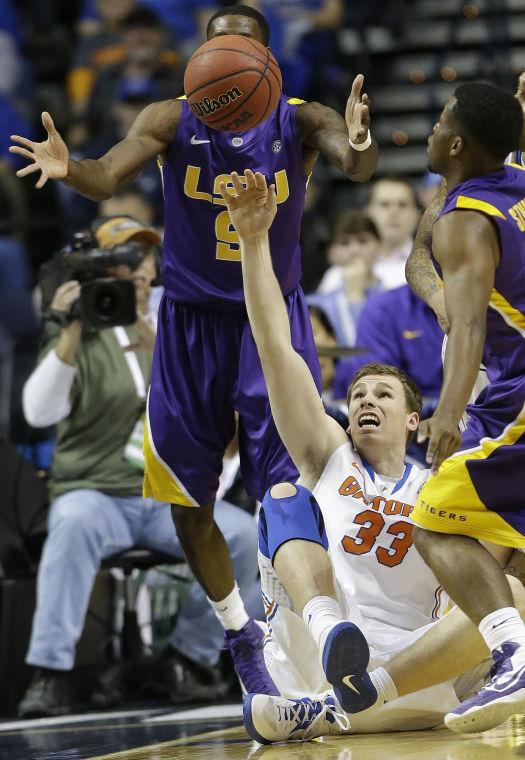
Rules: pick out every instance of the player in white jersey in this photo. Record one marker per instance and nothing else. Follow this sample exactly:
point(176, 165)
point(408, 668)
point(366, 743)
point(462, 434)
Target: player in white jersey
point(333, 572)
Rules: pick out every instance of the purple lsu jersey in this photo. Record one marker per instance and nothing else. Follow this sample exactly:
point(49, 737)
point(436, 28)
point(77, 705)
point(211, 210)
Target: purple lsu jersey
point(501, 196)
point(201, 257)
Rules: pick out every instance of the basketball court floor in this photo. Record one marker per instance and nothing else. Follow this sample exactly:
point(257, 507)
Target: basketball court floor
point(216, 733)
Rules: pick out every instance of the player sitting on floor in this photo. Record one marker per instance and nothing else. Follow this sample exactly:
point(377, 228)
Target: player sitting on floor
point(337, 549)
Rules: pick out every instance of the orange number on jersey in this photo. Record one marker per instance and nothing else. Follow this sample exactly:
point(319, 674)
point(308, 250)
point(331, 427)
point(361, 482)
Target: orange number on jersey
point(373, 523)
point(400, 545)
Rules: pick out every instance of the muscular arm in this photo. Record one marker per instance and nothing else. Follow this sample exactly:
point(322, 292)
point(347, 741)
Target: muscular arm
point(323, 130)
point(420, 272)
point(150, 135)
point(309, 435)
point(466, 245)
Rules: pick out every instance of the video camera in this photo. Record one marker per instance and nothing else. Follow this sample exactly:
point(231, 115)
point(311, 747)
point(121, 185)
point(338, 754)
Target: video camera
point(104, 301)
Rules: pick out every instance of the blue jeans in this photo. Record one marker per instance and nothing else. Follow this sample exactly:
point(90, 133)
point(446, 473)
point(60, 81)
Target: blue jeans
point(85, 526)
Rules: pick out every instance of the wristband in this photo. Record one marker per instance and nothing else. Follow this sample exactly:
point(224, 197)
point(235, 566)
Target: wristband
point(362, 146)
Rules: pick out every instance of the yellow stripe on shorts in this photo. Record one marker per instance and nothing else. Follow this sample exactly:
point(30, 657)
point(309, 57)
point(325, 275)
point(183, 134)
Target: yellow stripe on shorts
point(160, 482)
point(449, 502)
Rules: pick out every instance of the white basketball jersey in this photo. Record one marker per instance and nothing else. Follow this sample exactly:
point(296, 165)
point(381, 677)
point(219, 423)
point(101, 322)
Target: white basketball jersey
point(369, 531)
point(382, 583)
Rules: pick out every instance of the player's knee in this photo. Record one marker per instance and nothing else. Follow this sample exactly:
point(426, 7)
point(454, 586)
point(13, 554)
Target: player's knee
point(283, 490)
point(289, 499)
point(289, 512)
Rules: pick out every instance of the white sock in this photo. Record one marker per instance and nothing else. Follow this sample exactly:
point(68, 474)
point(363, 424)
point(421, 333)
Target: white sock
point(502, 625)
point(386, 688)
point(230, 611)
point(320, 615)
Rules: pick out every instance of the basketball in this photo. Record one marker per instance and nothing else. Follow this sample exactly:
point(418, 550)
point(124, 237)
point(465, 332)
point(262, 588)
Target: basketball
point(232, 83)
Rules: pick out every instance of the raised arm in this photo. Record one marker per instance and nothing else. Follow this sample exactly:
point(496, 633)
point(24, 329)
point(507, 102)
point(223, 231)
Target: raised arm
point(307, 432)
point(323, 130)
point(419, 270)
point(466, 245)
point(98, 179)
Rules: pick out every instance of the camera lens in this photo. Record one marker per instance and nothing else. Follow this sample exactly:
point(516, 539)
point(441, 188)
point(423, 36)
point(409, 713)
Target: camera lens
point(107, 302)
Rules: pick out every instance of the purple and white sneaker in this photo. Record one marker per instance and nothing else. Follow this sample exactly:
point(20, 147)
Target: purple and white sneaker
point(246, 650)
point(502, 697)
point(277, 719)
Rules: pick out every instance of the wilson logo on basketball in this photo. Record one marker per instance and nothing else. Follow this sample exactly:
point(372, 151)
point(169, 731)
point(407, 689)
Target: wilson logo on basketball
point(209, 105)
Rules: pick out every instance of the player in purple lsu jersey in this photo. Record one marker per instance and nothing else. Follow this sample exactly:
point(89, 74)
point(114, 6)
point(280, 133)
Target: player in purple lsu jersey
point(205, 364)
point(476, 493)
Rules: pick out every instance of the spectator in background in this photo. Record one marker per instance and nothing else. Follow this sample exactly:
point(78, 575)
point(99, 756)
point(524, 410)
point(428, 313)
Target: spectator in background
point(186, 18)
point(131, 98)
point(92, 384)
point(128, 201)
point(302, 36)
point(100, 45)
point(324, 337)
point(393, 207)
point(315, 229)
point(349, 281)
point(15, 68)
point(327, 346)
point(398, 328)
point(146, 66)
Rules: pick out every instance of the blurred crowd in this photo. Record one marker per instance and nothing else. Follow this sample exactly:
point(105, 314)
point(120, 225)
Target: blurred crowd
point(94, 65)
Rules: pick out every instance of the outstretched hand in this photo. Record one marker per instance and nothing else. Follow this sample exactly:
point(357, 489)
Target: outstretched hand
point(357, 113)
point(251, 204)
point(444, 439)
point(50, 157)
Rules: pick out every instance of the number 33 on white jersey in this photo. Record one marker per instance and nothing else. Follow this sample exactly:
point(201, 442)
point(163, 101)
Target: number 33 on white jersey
point(369, 531)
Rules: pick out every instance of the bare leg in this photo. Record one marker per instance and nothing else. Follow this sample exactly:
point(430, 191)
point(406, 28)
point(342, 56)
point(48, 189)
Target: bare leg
point(467, 571)
point(206, 550)
point(450, 648)
point(305, 570)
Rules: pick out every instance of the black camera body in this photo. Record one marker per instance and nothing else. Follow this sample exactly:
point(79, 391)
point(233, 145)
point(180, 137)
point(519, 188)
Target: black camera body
point(104, 301)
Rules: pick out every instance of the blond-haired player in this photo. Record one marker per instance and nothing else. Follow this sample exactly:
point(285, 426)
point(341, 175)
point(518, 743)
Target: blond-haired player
point(336, 555)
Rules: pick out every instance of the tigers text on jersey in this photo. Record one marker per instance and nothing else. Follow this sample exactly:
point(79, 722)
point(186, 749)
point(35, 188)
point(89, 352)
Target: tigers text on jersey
point(369, 533)
point(201, 256)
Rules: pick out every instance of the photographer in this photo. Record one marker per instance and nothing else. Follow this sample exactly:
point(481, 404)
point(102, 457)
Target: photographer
point(92, 384)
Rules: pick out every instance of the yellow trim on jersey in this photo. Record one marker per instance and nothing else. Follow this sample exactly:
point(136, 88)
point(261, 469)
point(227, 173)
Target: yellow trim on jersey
point(295, 101)
point(516, 166)
point(450, 503)
point(181, 97)
point(513, 317)
point(160, 482)
point(463, 201)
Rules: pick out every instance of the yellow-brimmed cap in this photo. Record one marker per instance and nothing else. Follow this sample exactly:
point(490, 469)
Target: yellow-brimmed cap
point(120, 229)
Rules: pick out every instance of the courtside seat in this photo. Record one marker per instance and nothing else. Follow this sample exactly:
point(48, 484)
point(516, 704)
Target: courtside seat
point(136, 558)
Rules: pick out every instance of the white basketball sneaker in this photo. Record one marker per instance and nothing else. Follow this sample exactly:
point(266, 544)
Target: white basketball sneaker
point(270, 719)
